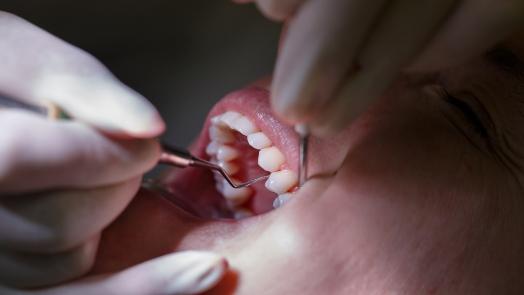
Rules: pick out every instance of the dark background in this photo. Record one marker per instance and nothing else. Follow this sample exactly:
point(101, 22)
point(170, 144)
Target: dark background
point(181, 55)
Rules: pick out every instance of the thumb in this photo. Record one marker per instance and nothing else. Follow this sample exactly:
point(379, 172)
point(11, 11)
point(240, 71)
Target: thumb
point(101, 101)
point(38, 68)
point(190, 272)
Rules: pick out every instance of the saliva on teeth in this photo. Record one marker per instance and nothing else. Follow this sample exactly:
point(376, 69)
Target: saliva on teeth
point(270, 158)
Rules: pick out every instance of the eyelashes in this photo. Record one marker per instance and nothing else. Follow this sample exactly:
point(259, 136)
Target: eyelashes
point(467, 111)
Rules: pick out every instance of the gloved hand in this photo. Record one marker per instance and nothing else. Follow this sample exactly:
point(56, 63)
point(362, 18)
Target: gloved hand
point(338, 56)
point(63, 182)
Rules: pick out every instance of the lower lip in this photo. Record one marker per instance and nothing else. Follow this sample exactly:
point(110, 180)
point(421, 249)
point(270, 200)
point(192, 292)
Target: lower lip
point(253, 102)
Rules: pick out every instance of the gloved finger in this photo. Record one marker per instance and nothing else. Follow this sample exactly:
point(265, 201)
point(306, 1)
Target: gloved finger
point(56, 221)
point(190, 272)
point(476, 26)
point(397, 38)
point(38, 68)
point(278, 10)
point(23, 270)
point(319, 50)
point(40, 154)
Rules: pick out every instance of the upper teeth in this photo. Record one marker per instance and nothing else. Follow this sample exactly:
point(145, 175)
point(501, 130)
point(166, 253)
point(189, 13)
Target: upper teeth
point(229, 167)
point(212, 148)
point(258, 140)
point(270, 158)
point(281, 181)
point(226, 153)
point(226, 119)
point(222, 135)
point(244, 126)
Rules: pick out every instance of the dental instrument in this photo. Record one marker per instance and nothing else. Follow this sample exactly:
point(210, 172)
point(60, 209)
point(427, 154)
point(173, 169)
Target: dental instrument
point(303, 132)
point(170, 155)
point(182, 159)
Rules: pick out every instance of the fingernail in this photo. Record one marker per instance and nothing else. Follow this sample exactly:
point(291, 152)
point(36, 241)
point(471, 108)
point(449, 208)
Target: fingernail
point(298, 102)
point(101, 101)
point(284, 104)
point(202, 271)
point(324, 130)
point(138, 116)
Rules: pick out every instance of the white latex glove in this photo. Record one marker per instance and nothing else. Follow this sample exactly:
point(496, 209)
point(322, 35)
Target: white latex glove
point(63, 182)
point(189, 272)
point(339, 56)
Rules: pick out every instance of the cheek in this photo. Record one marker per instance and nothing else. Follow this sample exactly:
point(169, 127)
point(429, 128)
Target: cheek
point(403, 154)
point(149, 227)
point(152, 226)
point(326, 155)
point(397, 125)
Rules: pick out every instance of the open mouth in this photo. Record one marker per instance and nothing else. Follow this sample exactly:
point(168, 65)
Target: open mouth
point(242, 136)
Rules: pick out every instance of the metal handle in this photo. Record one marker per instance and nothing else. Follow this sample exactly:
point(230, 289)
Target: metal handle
point(175, 156)
point(175, 160)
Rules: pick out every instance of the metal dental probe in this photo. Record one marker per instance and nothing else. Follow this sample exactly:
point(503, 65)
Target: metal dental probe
point(170, 155)
point(182, 159)
point(303, 132)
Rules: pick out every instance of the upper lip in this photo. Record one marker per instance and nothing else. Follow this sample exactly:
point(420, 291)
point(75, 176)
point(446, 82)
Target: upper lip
point(253, 102)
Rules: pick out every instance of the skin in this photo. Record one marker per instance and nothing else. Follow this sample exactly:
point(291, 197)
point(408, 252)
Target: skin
point(424, 201)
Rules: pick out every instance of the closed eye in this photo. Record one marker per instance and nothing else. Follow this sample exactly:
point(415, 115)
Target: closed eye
point(469, 114)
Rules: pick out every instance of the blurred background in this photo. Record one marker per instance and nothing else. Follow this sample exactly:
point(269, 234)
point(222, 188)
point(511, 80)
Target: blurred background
point(181, 55)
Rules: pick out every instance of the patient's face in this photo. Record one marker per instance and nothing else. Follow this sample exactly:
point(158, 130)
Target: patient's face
point(422, 194)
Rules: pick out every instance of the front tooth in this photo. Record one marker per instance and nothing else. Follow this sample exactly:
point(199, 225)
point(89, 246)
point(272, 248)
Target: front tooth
point(270, 159)
point(243, 125)
point(281, 200)
point(216, 120)
point(258, 140)
point(281, 181)
point(212, 148)
point(226, 153)
point(235, 196)
point(221, 135)
point(229, 168)
point(228, 117)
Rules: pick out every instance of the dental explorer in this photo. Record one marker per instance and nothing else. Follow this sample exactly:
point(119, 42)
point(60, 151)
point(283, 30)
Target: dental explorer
point(182, 159)
point(303, 133)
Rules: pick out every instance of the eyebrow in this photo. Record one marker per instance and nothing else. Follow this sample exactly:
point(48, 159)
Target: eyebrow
point(504, 59)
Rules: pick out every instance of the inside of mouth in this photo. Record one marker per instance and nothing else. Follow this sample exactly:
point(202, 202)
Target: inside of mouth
point(245, 152)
